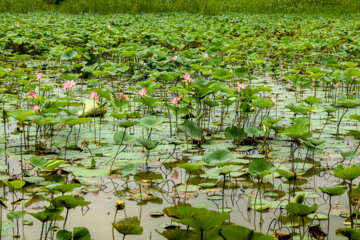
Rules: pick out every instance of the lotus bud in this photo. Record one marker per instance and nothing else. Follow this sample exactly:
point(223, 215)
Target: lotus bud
point(119, 205)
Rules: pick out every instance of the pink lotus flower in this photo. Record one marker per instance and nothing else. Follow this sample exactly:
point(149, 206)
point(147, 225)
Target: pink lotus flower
point(142, 92)
point(186, 76)
point(126, 98)
point(109, 26)
point(94, 95)
point(121, 95)
point(18, 25)
point(35, 108)
point(62, 70)
point(281, 67)
point(174, 57)
point(337, 85)
point(32, 94)
point(69, 85)
point(38, 76)
point(274, 100)
point(72, 84)
point(66, 85)
point(240, 86)
point(175, 100)
point(332, 29)
point(206, 56)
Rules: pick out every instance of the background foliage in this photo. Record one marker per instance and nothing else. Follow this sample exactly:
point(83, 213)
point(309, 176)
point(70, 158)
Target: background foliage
point(192, 6)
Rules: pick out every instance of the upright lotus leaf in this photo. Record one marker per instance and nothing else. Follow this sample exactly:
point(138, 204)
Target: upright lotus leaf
point(81, 233)
point(14, 184)
point(299, 209)
point(262, 102)
point(355, 117)
point(178, 234)
point(20, 115)
point(301, 120)
point(70, 54)
point(299, 108)
point(129, 226)
point(236, 232)
point(37, 161)
point(350, 233)
point(63, 235)
point(217, 157)
point(69, 202)
point(347, 173)
point(148, 143)
point(72, 121)
point(229, 168)
point(13, 215)
point(333, 191)
point(235, 133)
point(181, 211)
point(49, 213)
point(298, 131)
point(120, 138)
point(192, 166)
point(285, 174)
point(129, 169)
point(192, 130)
point(299, 198)
point(241, 72)
point(348, 103)
point(205, 220)
point(63, 188)
point(126, 123)
point(221, 74)
point(151, 122)
point(52, 164)
point(311, 100)
point(346, 154)
point(355, 134)
point(259, 168)
point(250, 130)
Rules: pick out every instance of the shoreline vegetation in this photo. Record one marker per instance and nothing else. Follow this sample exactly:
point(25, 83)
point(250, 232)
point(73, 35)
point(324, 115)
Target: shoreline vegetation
point(208, 7)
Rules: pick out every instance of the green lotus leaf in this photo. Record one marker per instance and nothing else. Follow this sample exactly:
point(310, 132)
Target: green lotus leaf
point(151, 122)
point(350, 233)
point(300, 209)
point(333, 191)
point(236, 232)
point(259, 168)
point(192, 166)
point(218, 156)
point(129, 226)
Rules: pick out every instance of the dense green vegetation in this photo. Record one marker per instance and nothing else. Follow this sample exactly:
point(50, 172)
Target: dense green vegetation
point(192, 6)
point(179, 126)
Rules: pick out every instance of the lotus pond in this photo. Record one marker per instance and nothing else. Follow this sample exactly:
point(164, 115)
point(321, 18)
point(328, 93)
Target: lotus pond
point(179, 126)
